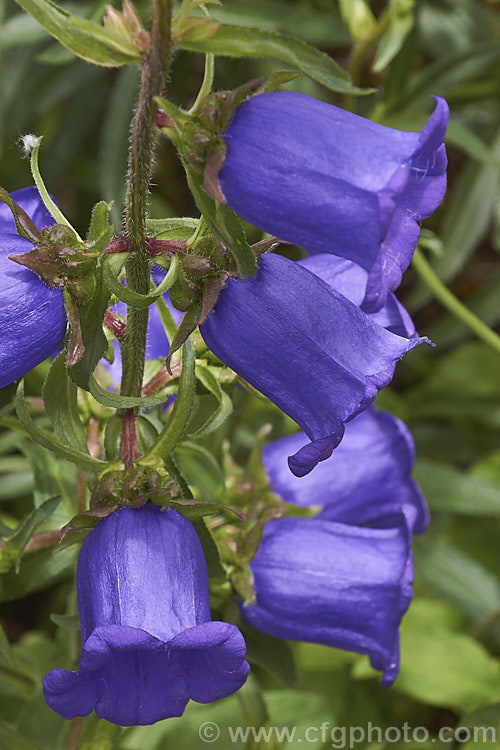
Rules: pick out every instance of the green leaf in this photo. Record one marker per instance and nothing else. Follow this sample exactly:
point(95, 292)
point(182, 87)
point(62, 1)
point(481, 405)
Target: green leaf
point(15, 544)
point(14, 741)
point(39, 570)
point(60, 399)
point(224, 408)
point(238, 41)
point(112, 265)
point(441, 667)
point(401, 22)
point(272, 654)
point(448, 489)
point(50, 441)
point(86, 39)
point(459, 578)
point(181, 413)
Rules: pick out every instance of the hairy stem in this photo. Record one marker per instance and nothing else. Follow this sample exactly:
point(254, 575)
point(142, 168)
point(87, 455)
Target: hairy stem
point(154, 73)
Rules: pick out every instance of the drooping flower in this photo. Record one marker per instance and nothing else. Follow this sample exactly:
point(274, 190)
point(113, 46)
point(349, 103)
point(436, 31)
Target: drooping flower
point(342, 586)
point(314, 353)
point(366, 481)
point(32, 317)
point(333, 182)
point(149, 644)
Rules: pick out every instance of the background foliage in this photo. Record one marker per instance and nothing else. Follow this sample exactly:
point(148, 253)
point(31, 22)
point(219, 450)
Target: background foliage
point(449, 396)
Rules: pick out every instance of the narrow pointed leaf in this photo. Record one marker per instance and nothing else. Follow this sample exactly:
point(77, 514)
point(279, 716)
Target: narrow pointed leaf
point(51, 442)
point(86, 39)
point(238, 41)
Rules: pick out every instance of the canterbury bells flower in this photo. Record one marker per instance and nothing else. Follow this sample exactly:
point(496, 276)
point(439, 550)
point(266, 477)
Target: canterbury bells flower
point(334, 584)
point(149, 644)
point(304, 345)
point(367, 481)
point(333, 182)
point(32, 317)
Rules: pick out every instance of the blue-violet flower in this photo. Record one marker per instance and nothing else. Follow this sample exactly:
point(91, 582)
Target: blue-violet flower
point(342, 586)
point(149, 644)
point(333, 182)
point(314, 353)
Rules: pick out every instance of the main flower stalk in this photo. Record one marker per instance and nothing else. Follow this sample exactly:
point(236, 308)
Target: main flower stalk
point(154, 73)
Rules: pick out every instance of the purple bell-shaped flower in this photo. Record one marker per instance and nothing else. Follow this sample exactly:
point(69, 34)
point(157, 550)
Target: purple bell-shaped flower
point(305, 346)
point(330, 583)
point(149, 644)
point(333, 182)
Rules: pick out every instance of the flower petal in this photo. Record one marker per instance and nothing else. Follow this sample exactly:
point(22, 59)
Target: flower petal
point(305, 346)
point(128, 559)
point(214, 656)
point(366, 481)
point(350, 280)
point(32, 317)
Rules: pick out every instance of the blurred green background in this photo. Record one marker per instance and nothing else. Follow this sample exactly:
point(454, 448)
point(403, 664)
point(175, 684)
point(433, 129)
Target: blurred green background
point(449, 395)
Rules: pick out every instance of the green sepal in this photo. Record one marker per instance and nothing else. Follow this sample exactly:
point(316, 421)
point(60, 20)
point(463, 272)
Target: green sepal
point(215, 569)
point(179, 229)
point(100, 230)
point(183, 407)
point(116, 401)
point(91, 317)
point(224, 224)
point(185, 329)
point(84, 38)
point(25, 226)
point(112, 265)
point(224, 407)
point(194, 509)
